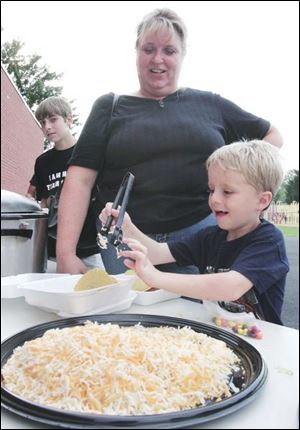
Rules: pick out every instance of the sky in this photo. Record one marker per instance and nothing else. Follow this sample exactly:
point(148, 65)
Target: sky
point(246, 51)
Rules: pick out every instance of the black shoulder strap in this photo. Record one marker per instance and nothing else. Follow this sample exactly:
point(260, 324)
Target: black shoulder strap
point(53, 207)
point(114, 104)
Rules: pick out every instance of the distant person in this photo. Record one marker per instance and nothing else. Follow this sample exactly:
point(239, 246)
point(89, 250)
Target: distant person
point(241, 259)
point(161, 133)
point(55, 117)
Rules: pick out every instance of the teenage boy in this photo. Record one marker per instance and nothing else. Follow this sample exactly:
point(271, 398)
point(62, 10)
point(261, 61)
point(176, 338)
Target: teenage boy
point(55, 116)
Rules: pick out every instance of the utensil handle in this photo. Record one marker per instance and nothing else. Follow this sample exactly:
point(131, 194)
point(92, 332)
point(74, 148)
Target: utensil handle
point(123, 192)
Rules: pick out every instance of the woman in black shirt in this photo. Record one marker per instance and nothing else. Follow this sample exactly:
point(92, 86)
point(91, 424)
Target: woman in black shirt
point(163, 135)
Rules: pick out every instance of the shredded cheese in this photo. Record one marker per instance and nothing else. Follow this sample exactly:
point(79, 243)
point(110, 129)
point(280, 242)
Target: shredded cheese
point(107, 369)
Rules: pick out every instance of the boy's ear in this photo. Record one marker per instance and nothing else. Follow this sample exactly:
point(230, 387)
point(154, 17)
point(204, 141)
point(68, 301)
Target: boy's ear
point(265, 199)
point(69, 120)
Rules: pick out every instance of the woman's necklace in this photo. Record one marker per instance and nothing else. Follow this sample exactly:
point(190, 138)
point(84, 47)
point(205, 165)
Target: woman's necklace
point(161, 101)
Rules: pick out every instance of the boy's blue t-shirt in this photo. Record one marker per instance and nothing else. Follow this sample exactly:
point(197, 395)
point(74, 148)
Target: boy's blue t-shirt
point(259, 255)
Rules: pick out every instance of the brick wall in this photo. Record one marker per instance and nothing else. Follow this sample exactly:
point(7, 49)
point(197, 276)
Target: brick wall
point(21, 138)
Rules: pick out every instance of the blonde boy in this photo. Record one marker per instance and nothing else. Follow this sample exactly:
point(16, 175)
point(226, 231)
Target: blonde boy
point(241, 258)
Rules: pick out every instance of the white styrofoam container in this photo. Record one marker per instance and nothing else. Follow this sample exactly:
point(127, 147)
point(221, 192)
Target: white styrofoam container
point(9, 284)
point(151, 297)
point(113, 307)
point(58, 295)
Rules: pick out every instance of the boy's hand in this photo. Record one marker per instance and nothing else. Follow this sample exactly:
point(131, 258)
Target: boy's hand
point(136, 258)
point(108, 211)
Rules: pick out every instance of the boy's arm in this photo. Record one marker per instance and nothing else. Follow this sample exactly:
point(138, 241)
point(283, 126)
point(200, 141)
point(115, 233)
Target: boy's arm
point(227, 286)
point(158, 253)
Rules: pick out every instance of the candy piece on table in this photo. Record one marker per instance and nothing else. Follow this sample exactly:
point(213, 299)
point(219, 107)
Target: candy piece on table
point(254, 329)
point(224, 322)
point(255, 332)
point(231, 324)
point(239, 327)
point(234, 328)
point(259, 335)
point(218, 321)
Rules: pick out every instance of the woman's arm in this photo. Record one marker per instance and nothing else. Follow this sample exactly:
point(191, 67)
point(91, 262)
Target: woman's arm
point(73, 205)
point(31, 192)
point(274, 137)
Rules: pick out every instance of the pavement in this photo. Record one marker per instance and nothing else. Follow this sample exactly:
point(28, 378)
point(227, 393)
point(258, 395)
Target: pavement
point(290, 311)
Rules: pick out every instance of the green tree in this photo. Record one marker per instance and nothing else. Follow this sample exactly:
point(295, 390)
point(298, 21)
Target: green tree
point(280, 195)
point(292, 186)
point(34, 80)
point(289, 189)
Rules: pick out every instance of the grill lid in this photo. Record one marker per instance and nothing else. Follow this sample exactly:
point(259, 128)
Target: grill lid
point(16, 203)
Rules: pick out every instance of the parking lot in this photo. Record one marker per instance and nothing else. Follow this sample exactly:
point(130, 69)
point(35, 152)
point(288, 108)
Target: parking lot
point(290, 312)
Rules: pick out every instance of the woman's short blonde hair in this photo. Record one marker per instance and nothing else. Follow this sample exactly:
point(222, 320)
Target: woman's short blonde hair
point(257, 160)
point(53, 106)
point(162, 20)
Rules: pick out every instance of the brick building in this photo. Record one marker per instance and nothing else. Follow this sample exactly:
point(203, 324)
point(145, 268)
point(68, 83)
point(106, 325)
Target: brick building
point(21, 138)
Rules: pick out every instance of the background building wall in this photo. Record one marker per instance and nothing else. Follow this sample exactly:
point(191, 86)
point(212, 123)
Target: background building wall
point(21, 138)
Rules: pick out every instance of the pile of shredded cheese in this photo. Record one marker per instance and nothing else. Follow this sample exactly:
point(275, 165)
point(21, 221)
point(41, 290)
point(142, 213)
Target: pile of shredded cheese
point(107, 369)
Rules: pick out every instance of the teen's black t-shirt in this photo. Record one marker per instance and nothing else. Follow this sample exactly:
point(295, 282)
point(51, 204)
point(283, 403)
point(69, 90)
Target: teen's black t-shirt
point(49, 173)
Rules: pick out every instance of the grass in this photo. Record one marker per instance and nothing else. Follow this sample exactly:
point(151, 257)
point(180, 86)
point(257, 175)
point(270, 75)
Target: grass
point(288, 231)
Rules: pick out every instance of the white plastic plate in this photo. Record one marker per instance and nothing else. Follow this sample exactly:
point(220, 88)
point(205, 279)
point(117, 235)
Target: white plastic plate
point(151, 297)
point(58, 295)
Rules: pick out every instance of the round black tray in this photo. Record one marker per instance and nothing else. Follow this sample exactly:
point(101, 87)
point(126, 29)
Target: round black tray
point(255, 373)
